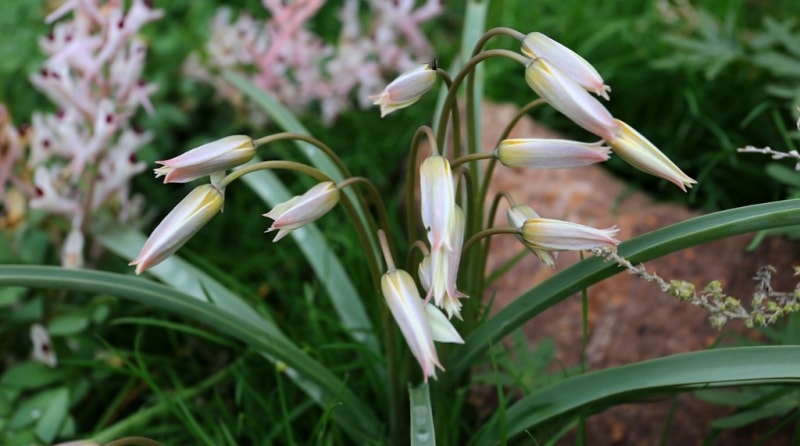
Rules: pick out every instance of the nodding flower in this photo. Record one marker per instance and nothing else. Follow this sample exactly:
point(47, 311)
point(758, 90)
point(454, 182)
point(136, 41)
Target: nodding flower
point(549, 153)
point(303, 209)
point(567, 61)
point(568, 97)
point(548, 234)
point(185, 219)
point(406, 89)
point(213, 157)
point(634, 148)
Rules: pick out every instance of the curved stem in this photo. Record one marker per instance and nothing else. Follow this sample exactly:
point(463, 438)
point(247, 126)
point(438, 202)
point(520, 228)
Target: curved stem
point(506, 131)
point(471, 157)
point(411, 177)
point(271, 165)
point(364, 238)
point(487, 233)
point(309, 139)
point(468, 67)
point(380, 208)
point(456, 115)
point(500, 30)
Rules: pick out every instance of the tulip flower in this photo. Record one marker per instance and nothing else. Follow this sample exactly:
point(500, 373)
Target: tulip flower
point(303, 209)
point(406, 89)
point(568, 97)
point(438, 201)
point(546, 153)
point(216, 156)
point(407, 309)
point(556, 235)
point(634, 148)
point(567, 61)
point(191, 214)
point(517, 216)
point(438, 271)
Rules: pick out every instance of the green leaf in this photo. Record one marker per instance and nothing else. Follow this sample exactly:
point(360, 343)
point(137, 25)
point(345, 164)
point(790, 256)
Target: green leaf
point(68, 324)
point(594, 391)
point(30, 375)
point(34, 407)
point(353, 415)
point(652, 245)
point(54, 415)
point(422, 429)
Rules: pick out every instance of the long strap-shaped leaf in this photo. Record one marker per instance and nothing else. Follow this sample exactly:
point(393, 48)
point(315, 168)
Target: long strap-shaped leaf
point(592, 391)
point(592, 270)
point(352, 414)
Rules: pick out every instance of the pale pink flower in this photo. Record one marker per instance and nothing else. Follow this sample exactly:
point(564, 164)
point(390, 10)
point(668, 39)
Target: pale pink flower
point(303, 209)
point(546, 153)
point(407, 309)
point(567, 61)
point(438, 272)
point(438, 201)
point(406, 89)
point(634, 148)
point(517, 216)
point(183, 222)
point(216, 156)
point(557, 235)
point(568, 97)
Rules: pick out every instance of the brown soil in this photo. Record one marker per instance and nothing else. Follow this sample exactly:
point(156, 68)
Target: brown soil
point(629, 319)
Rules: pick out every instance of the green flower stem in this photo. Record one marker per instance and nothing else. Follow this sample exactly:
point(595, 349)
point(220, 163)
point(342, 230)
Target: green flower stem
point(472, 138)
point(456, 114)
point(450, 100)
point(380, 208)
point(393, 390)
point(273, 165)
point(471, 157)
point(363, 233)
point(500, 30)
point(292, 136)
point(479, 274)
point(486, 233)
point(411, 179)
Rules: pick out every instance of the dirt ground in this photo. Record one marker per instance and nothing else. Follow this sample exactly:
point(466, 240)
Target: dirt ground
point(631, 320)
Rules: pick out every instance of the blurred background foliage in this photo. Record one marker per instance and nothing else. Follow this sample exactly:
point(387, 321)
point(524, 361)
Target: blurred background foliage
point(699, 81)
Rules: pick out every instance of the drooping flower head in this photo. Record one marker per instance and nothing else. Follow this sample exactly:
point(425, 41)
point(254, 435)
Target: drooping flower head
point(634, 148)
point(548, 234)
point(517, 216)
point(213, 157)
point(407, 309)
point(303, 209)
point(548, 153)
point(406, 89)
point(438, 201)
point(438, 272)
point(185, 219)
point(568, 97)
point(567, 61)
